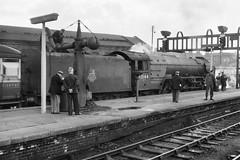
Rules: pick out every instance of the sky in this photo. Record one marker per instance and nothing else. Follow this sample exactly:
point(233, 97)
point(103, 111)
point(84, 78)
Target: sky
point(127, 17)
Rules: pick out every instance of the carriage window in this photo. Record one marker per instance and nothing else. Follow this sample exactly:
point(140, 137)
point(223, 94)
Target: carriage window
point(10, 67)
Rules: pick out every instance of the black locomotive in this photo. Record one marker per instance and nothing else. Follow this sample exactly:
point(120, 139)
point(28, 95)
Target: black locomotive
point(114, 75)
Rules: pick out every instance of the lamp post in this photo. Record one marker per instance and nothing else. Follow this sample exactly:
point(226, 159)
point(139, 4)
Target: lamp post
point(36, 20)
point(165, 45)
point(237, 68)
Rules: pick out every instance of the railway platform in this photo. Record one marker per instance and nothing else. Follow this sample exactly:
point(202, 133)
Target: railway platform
point(26, 133)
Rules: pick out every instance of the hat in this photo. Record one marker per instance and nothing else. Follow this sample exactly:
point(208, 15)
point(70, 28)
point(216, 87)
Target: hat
point(177, 72)
point(60, 72)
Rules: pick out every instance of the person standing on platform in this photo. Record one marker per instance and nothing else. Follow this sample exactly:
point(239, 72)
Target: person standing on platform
point(210, 84)
point(223, 81)
point(71, 85)
point(218, 78)
point(55, 91)
point(176, 86)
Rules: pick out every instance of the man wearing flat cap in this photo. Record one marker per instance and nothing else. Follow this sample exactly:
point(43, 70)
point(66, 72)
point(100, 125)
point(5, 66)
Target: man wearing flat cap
point(210, 84)
point(55, 91)
point(176, 86)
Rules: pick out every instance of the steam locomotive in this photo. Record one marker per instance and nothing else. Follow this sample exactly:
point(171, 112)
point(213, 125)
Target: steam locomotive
point(115, 75)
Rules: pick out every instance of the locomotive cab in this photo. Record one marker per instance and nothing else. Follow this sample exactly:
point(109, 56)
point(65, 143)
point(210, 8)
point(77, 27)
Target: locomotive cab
point(140, 64)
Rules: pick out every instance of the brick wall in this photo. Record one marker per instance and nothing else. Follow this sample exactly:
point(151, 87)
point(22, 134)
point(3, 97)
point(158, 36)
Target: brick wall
point(68, 143)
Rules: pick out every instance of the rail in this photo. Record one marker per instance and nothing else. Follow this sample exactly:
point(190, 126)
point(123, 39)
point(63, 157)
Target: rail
point(180, 140)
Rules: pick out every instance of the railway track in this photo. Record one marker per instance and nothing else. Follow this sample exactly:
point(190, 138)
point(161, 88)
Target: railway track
point(180, 144)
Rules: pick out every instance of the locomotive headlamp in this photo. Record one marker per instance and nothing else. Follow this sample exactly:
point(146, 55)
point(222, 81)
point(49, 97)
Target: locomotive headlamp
point(222, 29)
point(165, 33)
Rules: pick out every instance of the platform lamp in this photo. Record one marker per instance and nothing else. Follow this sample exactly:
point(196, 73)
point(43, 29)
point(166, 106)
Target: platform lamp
point(222, 30)
point(36, 20)
point(165, 44)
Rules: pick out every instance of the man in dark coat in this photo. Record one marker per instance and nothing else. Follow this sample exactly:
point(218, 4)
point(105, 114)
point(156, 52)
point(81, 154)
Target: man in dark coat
point(176, 86)
point(223, 81)
point(210, 84)
point(58, 36)
point(55, 91)
point(71, 85)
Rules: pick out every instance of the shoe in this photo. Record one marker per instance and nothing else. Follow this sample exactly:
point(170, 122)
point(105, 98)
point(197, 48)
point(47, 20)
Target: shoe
point(205, 99)
point(211, 99)
point(176, 101)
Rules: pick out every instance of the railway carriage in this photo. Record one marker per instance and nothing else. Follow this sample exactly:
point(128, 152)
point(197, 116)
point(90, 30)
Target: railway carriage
point(10, 77)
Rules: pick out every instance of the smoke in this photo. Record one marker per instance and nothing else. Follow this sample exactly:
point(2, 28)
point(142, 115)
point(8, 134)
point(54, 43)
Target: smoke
point(141, 48)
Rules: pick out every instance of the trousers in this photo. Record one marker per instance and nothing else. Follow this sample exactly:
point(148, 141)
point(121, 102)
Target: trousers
point(55, 102)
point(175, 95)
point(73, 97)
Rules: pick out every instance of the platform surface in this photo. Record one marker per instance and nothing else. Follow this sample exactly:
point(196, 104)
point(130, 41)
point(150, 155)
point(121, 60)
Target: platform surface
point(23, 124)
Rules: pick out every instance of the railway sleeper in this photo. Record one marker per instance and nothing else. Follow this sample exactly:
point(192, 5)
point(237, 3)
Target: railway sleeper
point(149, 150)
point(219, 126)
point(206, 131)
point(219, 139)
point(176, 141)
point(209, 129)
point(182, 156)
point(232, 134)
point(211, 142)
point(163, 146)
point(195, 151)
point(184, 138)
point(235, 132)
point(205, 146)
point(192, 135)
point(125, 154)
point(200, 133)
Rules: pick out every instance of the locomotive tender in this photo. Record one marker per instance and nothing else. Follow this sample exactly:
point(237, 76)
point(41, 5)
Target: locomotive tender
point(114, 75)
